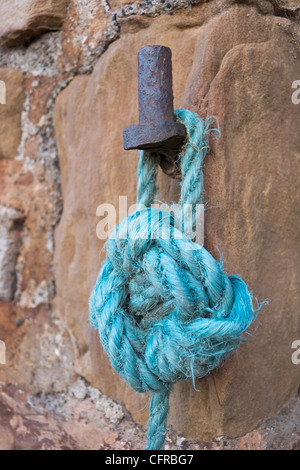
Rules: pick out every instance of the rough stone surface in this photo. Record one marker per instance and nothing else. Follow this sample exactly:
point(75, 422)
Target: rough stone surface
point(29, 184)
point(89, 28)
point(10, 239)
point(59, 421)
point(21, 20)
point(227, 66)
point(10, 112)
point(234, 59)
point(256, 233)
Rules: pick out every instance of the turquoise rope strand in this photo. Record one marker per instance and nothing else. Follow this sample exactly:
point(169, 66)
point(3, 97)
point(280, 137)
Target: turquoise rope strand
point(164, 308)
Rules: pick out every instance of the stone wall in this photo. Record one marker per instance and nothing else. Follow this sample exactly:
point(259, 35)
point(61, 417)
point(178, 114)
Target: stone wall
point(71, 87)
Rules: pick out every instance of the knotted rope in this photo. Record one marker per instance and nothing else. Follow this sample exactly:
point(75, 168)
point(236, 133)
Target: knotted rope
point(164, 308)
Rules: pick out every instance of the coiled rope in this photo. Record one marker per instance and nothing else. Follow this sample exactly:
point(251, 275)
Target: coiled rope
point(164, 308)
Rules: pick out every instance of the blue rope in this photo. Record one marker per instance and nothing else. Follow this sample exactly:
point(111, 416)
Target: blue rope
point(164, 308)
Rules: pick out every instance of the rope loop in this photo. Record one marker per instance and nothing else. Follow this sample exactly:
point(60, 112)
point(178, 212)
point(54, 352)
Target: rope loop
point(164, 308)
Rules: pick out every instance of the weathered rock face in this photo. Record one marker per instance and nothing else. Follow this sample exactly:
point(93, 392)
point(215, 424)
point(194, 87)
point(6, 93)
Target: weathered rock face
point(10, 111)
point(39, 353)
point(55, 422)
point(238, 66)
point(236, 60)
point(87, 31)
point(21, 20)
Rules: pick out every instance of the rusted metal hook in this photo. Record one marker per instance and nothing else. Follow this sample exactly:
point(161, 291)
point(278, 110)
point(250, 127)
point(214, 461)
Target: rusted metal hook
point(157, 131)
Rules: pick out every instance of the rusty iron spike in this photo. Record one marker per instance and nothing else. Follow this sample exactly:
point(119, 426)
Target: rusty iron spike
point(157, 131)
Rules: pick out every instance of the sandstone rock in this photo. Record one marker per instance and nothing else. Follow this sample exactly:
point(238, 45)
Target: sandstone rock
point(115, 4)
point(10, 112)
point(6, 439)
point(21, 20)
point(36, 357)
point(41, 356)
point(10, 239)
point(58, 421)
point(87, 31)
point(238, 66)
point(291, 5)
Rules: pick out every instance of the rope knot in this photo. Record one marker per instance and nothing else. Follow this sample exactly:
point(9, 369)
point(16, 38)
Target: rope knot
point(164, 308)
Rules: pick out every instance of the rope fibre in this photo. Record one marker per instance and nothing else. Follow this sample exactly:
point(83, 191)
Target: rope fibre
point(164, 308)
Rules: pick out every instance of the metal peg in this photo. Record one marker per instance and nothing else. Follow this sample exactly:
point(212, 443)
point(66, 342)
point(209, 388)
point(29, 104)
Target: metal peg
point(157, 131)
